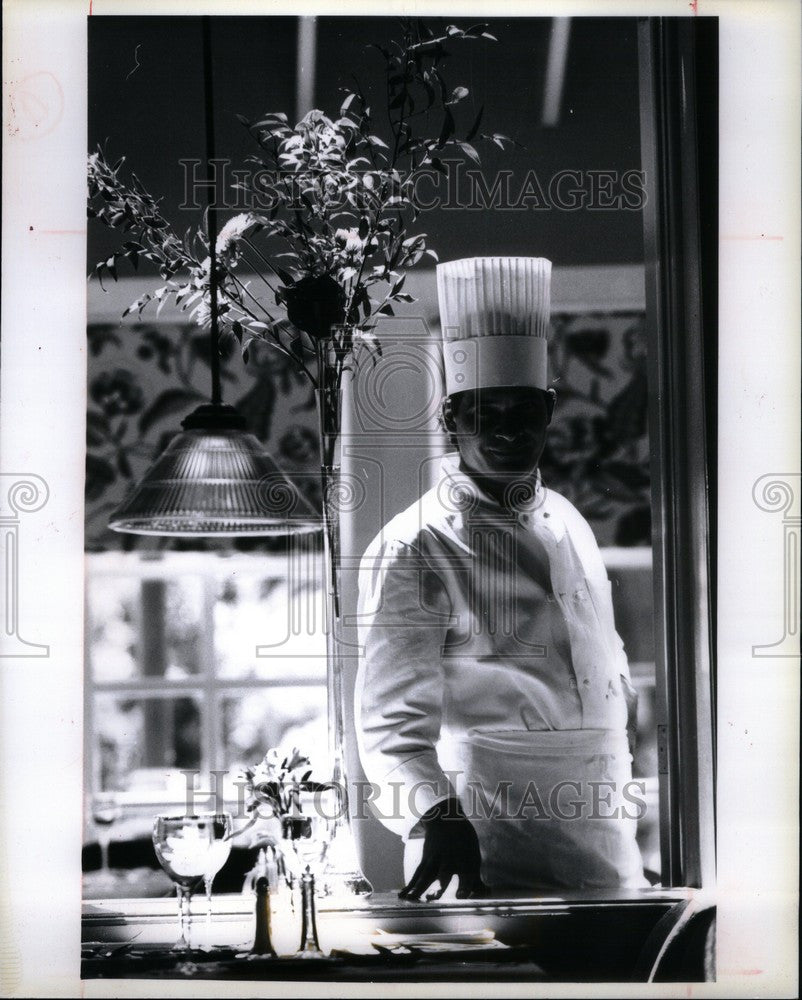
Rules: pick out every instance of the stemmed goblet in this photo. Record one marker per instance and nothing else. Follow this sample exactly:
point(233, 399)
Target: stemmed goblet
point(106, 810)
point(190, 848)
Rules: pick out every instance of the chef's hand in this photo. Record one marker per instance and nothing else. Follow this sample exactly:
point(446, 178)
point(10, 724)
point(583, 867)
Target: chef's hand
point(450, 847)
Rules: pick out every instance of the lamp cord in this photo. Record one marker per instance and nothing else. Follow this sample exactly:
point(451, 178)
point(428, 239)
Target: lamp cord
point(211, 211)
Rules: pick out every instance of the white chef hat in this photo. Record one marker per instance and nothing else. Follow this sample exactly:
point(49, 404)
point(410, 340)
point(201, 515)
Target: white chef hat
point(494, 316)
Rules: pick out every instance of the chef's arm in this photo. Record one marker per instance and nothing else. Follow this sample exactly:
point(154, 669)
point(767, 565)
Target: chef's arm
point(404, 615)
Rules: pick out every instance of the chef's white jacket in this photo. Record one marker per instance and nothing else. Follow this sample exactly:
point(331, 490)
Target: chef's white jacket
point(488, 644)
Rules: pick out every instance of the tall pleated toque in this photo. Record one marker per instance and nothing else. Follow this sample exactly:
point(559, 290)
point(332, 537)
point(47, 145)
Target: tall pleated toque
point(506, 300)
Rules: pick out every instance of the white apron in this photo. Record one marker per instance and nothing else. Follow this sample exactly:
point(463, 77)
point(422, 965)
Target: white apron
point(551, 808)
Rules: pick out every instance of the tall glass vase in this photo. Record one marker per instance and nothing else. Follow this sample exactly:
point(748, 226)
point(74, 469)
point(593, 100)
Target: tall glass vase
point(342, 872)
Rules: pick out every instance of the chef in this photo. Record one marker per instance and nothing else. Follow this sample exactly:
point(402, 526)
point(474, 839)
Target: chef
point(494, 707)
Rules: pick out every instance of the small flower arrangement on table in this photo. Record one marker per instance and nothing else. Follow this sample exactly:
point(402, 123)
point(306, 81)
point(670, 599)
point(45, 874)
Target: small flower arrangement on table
point(272, 792)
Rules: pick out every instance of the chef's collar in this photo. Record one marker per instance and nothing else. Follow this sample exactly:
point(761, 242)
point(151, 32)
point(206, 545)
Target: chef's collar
point(531, 508)
point(522, 497)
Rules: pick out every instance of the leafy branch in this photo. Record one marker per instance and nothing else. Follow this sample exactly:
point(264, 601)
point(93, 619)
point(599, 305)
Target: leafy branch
point(333, 204)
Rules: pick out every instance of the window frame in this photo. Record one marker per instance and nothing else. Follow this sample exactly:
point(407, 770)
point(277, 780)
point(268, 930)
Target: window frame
point(680, 249)
point(209, 688)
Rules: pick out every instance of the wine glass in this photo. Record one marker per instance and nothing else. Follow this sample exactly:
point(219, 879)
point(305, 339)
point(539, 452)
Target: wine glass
point(106, 810)
point(190, 848)
point(306, 832)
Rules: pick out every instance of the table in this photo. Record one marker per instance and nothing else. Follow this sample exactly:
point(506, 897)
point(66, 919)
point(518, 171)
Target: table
point(593, 937)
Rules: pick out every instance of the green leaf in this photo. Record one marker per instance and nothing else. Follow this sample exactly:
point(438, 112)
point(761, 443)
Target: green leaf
point(447, 130)
point(166, 403)
point(500, 139)
point(139, 305)
point(274, 116)
point(285, 276)
point(442, 85)
point(470, 152)
point(475, 127)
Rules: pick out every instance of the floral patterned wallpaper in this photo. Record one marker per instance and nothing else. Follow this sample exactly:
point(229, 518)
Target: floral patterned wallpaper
point(144, 378)
point(597, 451)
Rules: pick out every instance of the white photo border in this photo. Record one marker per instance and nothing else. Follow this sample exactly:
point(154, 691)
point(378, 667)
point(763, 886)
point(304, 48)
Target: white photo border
point(42, 435)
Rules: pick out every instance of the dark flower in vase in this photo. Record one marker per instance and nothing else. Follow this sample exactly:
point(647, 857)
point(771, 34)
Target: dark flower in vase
point(315, 304)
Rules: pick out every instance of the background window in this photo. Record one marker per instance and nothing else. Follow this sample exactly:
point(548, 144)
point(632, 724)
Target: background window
point(199, 661)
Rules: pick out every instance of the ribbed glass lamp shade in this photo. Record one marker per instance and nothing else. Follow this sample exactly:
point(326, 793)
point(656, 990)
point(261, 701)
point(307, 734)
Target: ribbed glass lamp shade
point(215, 479)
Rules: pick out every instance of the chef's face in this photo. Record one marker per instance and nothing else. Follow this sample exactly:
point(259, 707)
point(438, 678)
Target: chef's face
point(500, 432)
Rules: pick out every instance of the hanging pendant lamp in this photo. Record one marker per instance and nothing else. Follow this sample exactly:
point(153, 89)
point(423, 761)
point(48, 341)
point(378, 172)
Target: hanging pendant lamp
point(214, 478)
